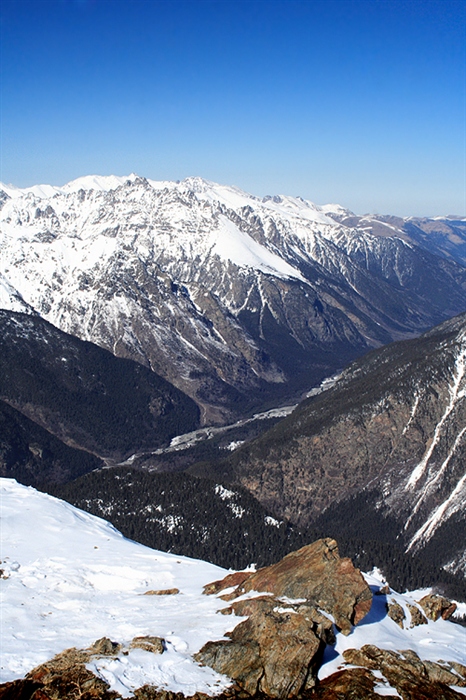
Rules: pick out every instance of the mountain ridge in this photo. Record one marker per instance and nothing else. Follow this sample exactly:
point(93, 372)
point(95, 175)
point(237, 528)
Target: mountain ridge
point(84, 395)
point(240, 301)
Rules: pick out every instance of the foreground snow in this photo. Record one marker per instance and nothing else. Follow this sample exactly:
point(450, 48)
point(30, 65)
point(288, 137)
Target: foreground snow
point(70, 578)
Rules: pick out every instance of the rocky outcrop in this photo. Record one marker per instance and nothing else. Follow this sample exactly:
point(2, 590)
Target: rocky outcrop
point(287, 614)
point(396, 613)
point(417, 616)
point(436, 606)
point(278, 649)
point(350, 684)
point(164, 591)
point(412, 678)
point(315, 573)
point(148, 643)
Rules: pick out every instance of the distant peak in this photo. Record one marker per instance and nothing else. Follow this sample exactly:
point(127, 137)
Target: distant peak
point(197, 184)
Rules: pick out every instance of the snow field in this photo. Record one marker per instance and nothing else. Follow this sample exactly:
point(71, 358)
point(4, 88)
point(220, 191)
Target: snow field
point(69, 578)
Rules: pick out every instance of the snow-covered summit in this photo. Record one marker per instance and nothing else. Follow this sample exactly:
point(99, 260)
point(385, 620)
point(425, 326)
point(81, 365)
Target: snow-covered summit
point(207, 190)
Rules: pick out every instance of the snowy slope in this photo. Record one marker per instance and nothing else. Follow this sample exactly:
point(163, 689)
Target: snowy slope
point(70, 578)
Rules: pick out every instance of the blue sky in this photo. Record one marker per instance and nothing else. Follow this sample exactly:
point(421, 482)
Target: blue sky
point(360, 102)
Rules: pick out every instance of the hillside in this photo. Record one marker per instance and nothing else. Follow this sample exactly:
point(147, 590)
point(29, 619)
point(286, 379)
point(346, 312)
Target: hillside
point(392, 426)
point(124, 620)
point(84, 395)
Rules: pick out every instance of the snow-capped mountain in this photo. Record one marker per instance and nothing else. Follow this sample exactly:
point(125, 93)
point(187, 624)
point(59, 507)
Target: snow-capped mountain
point(392, 427)
point(234, 299)
point(69, 578)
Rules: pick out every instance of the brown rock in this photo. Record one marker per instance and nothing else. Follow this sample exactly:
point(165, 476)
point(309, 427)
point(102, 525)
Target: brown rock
point(350, 684)
point(153, 644)
point(317, 574)
point(458, 668)
point(417, 617)
point(165, 591)
point(321, 625)
point(66, 676)
point(436, 606)
point(396, 613)
point(276, 651)
point(231, 581)
point(412, 678)
point(384, 590)
point(104, 647)
point(443, 674)
point(18, 690)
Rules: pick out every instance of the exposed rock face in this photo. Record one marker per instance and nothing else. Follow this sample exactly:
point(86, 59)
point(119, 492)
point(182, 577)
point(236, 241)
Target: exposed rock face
point(396, 613)
point(317, 574)
point(412, 678)
point(148, 643)
point(66, 675)
point(436, 606)
point(417, 617)
point(350, 684)
point(276, 651)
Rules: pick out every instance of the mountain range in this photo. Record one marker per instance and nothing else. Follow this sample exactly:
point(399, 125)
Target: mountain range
point(241, 302)
point(138, 314)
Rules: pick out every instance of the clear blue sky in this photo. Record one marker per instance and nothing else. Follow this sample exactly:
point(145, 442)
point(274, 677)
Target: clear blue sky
point(360, 102)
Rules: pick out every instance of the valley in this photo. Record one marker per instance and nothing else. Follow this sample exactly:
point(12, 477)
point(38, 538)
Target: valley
point(188, 336)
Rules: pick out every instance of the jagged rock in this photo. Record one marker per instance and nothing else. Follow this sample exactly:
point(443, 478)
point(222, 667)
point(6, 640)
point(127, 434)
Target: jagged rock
point(412, 678)
point(231, 581)
point(443, 674)
point(384, 590)
point(396, 613)
point(317, 574)
point(76, 683)
point(350, 684)
point(149, 692)
point(459, 668)
point(276, 651)
point(104, 647)
point(417, 618)
point(436, 606)
point(73, 683)
point(165, 591)
point(66, 675)
point(153, 644)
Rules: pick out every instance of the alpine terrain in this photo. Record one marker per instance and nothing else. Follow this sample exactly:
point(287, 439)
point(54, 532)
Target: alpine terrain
point(240, 302)
point(88, 614)
point(380, 455)
point(81, 395)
